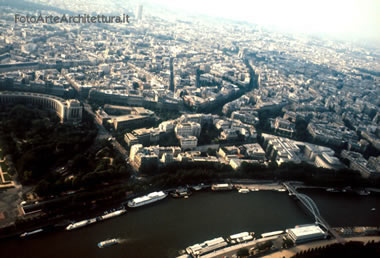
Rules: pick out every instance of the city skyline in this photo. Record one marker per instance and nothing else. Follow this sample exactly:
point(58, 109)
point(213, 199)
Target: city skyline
point(102, 119)
point(341, 19)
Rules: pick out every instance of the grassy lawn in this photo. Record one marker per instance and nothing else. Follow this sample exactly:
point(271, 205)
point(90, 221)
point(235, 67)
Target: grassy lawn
point(4, 166)
point(7, 177)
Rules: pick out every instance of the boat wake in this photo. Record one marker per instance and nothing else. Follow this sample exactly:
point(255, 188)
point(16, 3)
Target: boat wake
point(124, 240)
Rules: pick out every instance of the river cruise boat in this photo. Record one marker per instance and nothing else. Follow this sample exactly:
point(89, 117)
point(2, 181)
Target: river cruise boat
point(81, 224)
point(108, 242)
point(112, 214)
point(146, 199)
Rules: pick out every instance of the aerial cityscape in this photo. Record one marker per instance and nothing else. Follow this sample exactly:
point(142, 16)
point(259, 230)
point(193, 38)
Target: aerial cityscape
point(167, 129)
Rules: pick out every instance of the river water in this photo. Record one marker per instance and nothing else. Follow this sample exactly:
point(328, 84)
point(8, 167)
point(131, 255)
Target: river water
point(163, 228)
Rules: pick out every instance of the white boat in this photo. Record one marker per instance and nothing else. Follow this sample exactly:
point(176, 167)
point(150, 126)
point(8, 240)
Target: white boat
point(113, 214)
point(80, 224)
point(241, 237)
point(206, 247)
point(364, 192)
point(281, 190)
point(273, 233)
point(105, 243)
point(181, 192)
point(31, 232)
point(198, 187)
point(243, 190)
point(221, 187)
point(146, 199)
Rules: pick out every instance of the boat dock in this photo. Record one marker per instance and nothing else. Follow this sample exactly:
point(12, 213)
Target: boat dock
point(231, 250)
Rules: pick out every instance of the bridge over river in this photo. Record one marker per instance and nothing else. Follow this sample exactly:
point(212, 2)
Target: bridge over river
point(313, 209)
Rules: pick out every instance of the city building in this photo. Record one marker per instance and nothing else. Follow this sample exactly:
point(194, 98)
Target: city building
point(254, 151)
point(144, 136)
point(281, 150)
point(171, 82)
point(167, 126)
point(188, 142)
point(188, 129)
point(367, 169)
point(326, 160)
point(306, 233)
point(121, 117)
point(139, 12)
point(283, 127)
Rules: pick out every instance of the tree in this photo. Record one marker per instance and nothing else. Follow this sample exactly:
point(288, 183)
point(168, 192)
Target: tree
point(42, 188)
point(301, 129)
point(265, 245)
point(80, 162)
point(135, 85)
point(211, 152)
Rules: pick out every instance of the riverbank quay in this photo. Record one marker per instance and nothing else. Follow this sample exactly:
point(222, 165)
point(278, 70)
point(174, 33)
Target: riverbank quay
point(257, 186)
point(231, 250)
point(287, 253)
point(53, 214)
point(301, 185)
point(276, 185)
point(283, 244)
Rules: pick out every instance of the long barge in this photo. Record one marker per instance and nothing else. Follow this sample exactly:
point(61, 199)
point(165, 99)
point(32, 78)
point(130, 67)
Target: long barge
point(221, 187)
point(206, 247)
point(31, 232)
point(86, 222)
point(81, 224)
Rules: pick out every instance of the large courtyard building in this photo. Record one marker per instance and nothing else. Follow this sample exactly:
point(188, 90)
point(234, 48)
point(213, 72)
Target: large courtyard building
point(67, 110)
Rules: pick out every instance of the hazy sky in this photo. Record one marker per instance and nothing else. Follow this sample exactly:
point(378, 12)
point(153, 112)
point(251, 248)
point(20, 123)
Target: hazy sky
point(338, 17)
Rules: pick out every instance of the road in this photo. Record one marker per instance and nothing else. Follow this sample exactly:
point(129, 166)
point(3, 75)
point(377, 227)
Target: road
point(299, 248)
point(103, 134)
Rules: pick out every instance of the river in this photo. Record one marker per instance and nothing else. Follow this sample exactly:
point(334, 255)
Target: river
point(163, 228)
